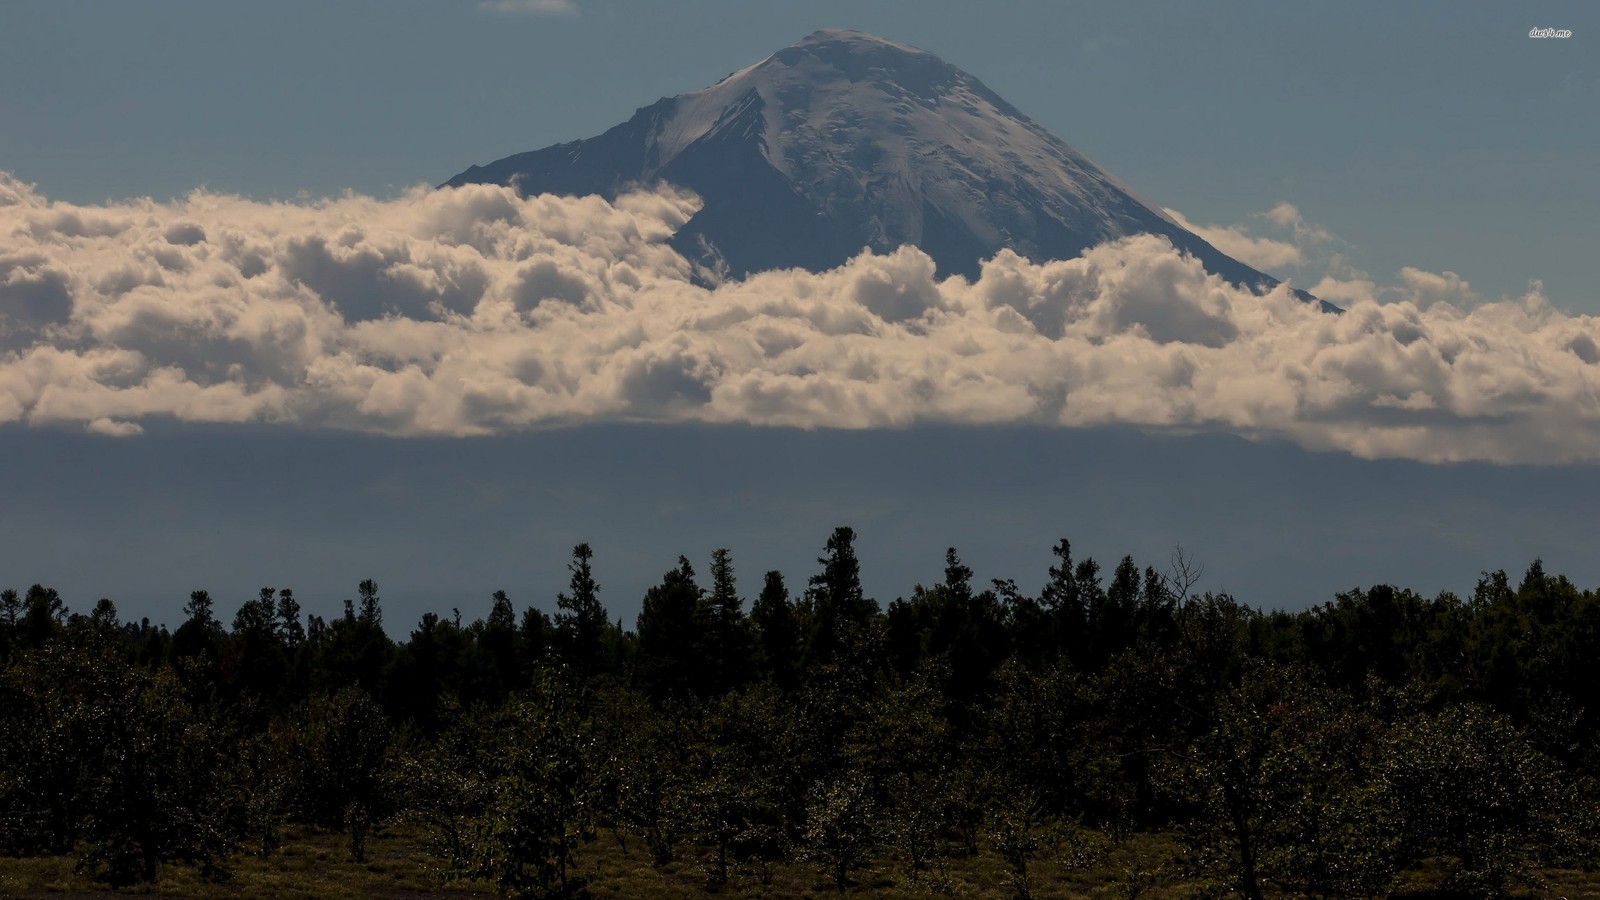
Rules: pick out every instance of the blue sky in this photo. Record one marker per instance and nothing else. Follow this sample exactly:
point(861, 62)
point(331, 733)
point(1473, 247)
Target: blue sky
point(173, 421)
point(1434, 135)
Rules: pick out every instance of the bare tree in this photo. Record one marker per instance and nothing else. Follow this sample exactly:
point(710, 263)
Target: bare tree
point(1183, 573)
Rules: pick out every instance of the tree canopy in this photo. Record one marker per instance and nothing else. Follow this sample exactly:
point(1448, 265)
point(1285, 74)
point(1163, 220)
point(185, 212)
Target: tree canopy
point(1324, 752)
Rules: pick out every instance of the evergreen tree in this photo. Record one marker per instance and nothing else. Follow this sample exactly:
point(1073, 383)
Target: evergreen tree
point(499, 642)
point(502, 616)
point(1092, 602)
point(838, 607)
point(198, 640)
point(538, 635)
point(1157, 607)
point(777, 631)
point(1063, 604)
point(257, 664)
point(582, 623)
point(10, 612)
point(315, 629)
point(354, 650)
point(371, 612)
point(670, 661)
point(1027, 624)
point(289, 627)
point(724, 635)
point(1114, 625)
point(10, 606)
point(44, 613)
point(103, 617)
point(1315, 752)
point(964, 629)
point(199, 609)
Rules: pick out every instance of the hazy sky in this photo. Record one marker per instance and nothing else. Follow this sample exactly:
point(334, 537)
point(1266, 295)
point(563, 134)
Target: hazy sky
point(442, 523)
point(447, 390)
point(1433, 135)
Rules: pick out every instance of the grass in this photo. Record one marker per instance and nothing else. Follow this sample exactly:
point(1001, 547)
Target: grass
point(316, 864)
point(310, 864)
point(627, 873)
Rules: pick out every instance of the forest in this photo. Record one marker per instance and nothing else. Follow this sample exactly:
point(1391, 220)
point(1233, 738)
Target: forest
point(1383, 742)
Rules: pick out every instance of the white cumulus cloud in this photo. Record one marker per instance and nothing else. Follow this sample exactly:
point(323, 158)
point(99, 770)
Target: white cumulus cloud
point(1263, 253)
point(475, 311)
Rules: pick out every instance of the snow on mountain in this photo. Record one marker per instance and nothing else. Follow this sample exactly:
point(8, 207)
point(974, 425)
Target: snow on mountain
point(843, 141)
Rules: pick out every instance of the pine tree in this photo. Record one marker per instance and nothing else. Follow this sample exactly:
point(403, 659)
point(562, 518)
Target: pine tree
point(371, 613)
point(199, 609)
point(583, 621)
point(10, 606)
point(777, 631)
point(1063, 604)
point(501, 614)
point(725, 638)
point(670, 658)
point(201, 633)
point(838, 605)
point(289, 627)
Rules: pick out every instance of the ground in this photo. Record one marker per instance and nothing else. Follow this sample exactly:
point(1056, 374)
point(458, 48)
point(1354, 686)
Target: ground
point(313, 864)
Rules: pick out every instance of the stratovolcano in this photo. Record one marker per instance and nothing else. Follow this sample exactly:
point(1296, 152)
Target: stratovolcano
point(847, 141)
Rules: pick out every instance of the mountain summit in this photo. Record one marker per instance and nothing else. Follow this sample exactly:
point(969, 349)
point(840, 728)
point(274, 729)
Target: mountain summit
point(845, 141)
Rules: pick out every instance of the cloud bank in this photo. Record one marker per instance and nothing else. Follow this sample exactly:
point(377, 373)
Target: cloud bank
point(473, 311)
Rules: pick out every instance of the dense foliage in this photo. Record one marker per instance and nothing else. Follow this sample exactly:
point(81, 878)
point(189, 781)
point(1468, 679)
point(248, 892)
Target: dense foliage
point(1318, 753)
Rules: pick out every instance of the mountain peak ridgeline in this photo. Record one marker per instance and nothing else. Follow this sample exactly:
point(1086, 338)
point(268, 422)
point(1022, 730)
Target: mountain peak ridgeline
point(845, 140)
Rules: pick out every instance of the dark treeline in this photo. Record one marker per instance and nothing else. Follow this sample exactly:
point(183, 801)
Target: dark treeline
point(1323, 752)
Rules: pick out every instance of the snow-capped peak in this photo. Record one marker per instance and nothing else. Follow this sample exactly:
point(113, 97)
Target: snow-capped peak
point(846, 140)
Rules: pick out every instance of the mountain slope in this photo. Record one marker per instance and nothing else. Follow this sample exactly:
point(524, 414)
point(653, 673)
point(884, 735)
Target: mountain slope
point(844, 141)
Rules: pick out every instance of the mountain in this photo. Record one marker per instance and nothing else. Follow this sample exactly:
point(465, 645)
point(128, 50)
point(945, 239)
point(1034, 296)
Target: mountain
point(845, 141)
